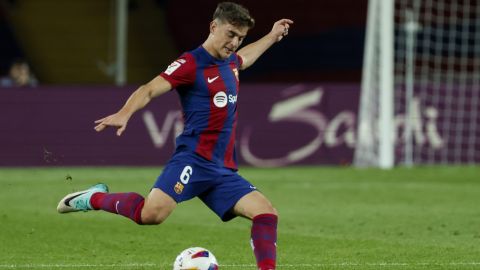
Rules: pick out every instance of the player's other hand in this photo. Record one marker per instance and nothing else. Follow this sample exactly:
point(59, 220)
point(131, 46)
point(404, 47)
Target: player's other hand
point(118, 120)
point(280, 29)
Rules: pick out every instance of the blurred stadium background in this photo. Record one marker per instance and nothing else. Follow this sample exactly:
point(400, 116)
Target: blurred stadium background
point(374, 83)
point(80, 49)
point(76, 52)
point(412, 92)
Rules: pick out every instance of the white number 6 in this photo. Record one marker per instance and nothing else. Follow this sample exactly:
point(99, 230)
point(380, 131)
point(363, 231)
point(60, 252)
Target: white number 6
point(186, 173)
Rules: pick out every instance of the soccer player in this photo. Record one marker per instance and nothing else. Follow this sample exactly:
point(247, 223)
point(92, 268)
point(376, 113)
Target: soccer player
point(204, 163)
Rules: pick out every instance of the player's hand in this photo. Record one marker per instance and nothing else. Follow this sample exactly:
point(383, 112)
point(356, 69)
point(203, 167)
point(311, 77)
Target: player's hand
point(118, 120)
point(280, 29)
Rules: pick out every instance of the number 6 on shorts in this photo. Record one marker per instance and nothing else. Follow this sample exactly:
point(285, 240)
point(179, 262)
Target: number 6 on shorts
point(186, 173)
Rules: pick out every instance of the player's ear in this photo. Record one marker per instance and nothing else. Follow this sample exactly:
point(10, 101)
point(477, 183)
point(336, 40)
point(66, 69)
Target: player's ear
point(213, 26)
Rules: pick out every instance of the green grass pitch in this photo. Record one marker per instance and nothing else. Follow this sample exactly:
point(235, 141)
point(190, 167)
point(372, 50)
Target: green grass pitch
point(330, 218)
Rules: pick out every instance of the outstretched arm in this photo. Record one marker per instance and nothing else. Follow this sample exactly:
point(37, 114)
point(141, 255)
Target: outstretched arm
point(252, 51)
point(135, 102)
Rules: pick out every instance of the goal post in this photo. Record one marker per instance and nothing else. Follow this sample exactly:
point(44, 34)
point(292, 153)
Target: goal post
point(375, 128)
point(420, 100)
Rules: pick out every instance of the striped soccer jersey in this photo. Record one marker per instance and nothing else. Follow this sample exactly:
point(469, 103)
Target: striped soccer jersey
point(208, 90)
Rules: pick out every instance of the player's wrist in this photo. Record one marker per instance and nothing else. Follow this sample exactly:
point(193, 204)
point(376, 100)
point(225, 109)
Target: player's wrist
point(272, 37)
point(126, 113)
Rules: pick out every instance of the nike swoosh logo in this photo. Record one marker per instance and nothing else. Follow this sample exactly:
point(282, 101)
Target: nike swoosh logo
point(67, 201)
point(212, 79)
point(116, 206)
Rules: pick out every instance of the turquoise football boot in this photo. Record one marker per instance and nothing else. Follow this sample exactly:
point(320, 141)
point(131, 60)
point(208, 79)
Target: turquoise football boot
point(80, 201)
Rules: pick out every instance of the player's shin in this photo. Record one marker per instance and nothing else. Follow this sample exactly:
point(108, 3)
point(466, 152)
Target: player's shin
point(126, 204)
point(264, 240)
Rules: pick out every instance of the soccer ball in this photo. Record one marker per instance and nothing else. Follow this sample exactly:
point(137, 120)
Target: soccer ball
point(195, 258)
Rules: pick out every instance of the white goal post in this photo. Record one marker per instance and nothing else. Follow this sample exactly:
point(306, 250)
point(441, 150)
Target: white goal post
point(375, 141)
point(420, 100)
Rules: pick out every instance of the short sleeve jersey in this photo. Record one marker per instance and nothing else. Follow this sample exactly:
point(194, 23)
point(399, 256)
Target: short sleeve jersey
point(208, 89)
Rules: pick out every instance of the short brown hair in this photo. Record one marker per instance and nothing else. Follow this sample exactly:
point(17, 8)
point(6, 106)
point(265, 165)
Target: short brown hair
point(234, 14)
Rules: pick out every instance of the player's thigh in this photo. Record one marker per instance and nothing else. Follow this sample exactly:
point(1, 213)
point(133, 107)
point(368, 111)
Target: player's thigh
point(158, 206)
point(185, 177)
point(253, 204)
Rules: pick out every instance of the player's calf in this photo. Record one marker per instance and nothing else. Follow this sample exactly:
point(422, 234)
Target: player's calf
point(264, 240)
point(128, 204)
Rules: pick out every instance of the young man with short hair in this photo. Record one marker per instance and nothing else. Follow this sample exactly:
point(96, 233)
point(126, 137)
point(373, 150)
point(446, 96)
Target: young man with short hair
point(204, 164)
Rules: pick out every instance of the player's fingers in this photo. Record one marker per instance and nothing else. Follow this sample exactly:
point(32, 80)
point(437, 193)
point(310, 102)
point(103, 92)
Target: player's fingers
point(285, 22)
point(285, 30)
point(100, 127)
point(100, 120)
point(120, 130)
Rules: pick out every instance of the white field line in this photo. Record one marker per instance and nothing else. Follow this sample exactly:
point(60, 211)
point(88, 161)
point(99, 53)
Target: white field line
point(73, 265)
point(280, 266)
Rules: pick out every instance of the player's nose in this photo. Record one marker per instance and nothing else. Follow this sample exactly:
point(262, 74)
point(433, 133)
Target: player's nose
point(235, 42)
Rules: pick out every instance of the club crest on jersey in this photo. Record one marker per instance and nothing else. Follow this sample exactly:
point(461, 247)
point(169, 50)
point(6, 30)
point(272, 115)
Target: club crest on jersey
point(178, 188)
point(220, 99)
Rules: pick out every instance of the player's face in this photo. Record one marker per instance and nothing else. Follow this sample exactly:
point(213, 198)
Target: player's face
point(227, 38)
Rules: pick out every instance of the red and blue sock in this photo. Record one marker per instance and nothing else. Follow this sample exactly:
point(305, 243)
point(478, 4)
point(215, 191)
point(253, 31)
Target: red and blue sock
point(264, 240)
point(126, 204)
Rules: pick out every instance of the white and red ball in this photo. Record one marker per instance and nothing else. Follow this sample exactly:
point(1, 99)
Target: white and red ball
point(195, 258)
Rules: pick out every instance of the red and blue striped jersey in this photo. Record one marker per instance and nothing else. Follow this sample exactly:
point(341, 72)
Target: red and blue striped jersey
point(208, 90)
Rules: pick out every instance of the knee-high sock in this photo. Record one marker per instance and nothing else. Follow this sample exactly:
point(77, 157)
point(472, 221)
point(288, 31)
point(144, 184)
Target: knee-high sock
point(264, 240)
point(126, 204)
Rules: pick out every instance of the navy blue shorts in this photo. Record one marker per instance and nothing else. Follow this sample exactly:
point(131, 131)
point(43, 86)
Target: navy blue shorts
point(188, 175)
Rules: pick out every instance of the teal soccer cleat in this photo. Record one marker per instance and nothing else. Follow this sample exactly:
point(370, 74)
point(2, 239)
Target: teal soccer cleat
point(80, 201)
